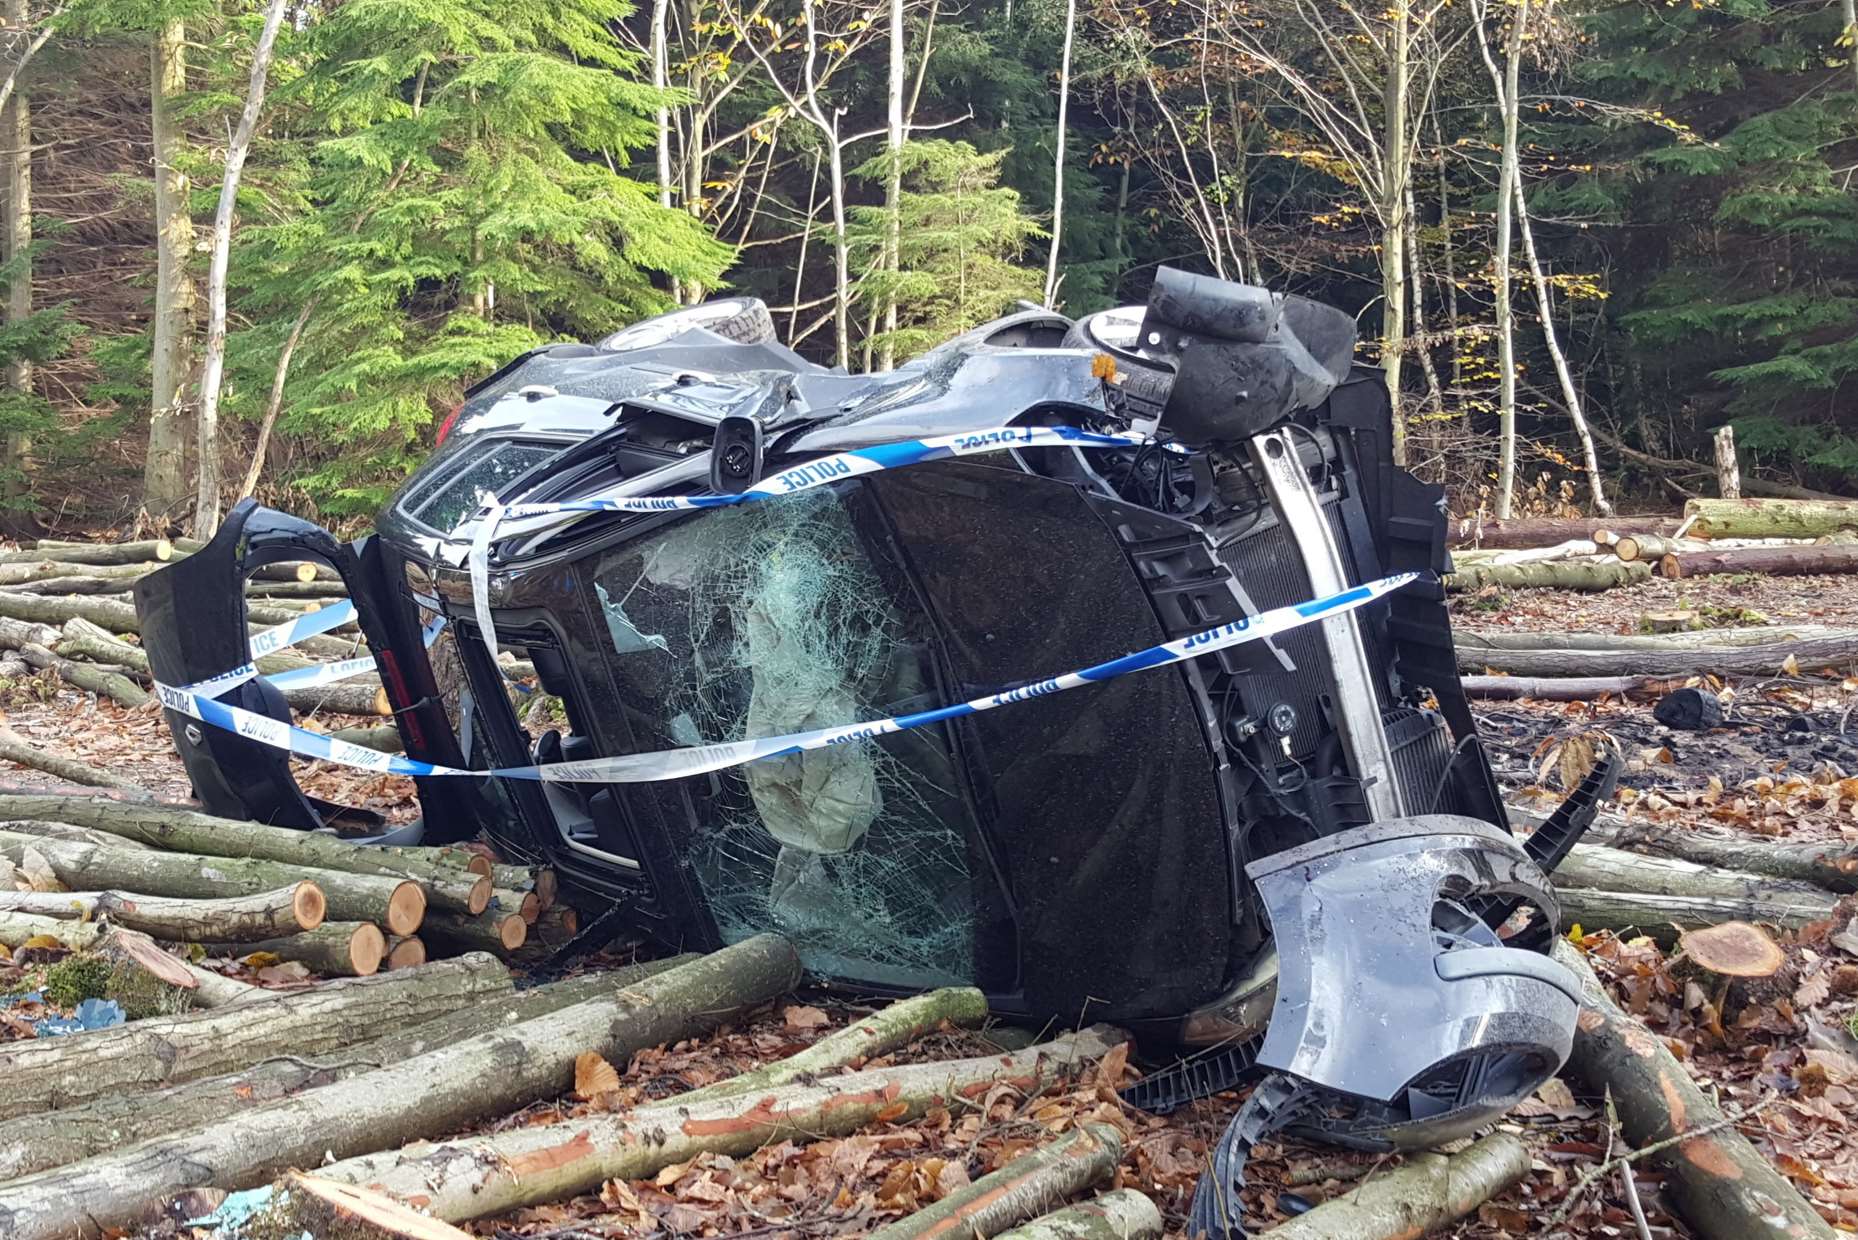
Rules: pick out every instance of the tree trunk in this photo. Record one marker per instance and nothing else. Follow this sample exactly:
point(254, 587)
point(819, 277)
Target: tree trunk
point(16, 929)
point(341, 698)
point(1553, 688)
point(1769, 561)
point(494, 931)
point(1598, 867)
point(1058, 154)
point(1723, 1186)
point(1123, 1214)
point(113, 685)
point(1698, 639)
point(474, 1177)
point(50, 1073)
point(239, 919)
point(1848, 10)
point(1570, 393)
point(1661, 917)
point(64, 831)
point(1771, 518)
point(1396, 169)
point(16, 128)
point(841, 252)
point(1026, 1187)
point(337, 948)
point(57, 1138)
point(896, 133)
point(147, 552)
point(213, 365)
point(435, 1092)
point(1476, 531)
point(1677, 660)
point(396, 903)
point(525, 904)
point(1573, 549)
point(164, 475)
point(1831, 865)
point(1424, 1193)
point(181, 830)
point(1549, 575)
point(1509, 102)
point(1416, 286)
point(1728, 476)
point(309, 1205)
point(275, 404)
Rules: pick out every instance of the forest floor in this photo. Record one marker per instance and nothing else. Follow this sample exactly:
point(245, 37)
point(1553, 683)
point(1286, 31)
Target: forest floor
point(1779, 767)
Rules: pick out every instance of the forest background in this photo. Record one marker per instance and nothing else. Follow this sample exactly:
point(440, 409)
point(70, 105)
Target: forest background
point(263, 247)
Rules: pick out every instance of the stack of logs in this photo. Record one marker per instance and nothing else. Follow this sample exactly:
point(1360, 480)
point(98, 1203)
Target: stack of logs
point(239, 888)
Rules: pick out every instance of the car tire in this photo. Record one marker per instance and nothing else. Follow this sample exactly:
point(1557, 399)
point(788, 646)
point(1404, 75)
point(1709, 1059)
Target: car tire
point(744, 320)
point(750, 324)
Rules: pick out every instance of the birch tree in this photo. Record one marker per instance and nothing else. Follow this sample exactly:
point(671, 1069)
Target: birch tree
point(16, 172)
point(164, 472)
point(896, 133)
point(1058, 153)
point(213, 365)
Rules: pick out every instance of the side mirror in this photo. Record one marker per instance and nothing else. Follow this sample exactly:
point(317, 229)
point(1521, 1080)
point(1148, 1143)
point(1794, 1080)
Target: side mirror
point(736, 455)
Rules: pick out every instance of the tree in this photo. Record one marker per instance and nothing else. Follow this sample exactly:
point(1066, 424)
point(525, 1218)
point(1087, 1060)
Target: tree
point(1058, 153)
point(164, 476)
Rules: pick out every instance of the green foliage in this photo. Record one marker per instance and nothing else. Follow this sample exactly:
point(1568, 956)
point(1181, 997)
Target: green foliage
point(961, 235)
point(75, 979)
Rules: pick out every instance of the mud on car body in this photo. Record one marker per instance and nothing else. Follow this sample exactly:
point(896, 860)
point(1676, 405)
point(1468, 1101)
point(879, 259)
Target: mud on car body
point(1288, 856)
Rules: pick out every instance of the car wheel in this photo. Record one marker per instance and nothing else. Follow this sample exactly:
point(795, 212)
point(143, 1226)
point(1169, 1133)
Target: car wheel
point(744, 320)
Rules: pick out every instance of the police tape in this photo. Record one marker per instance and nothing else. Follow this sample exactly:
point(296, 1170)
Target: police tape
point(827, 469)
point(703, 759)
point(272, 640)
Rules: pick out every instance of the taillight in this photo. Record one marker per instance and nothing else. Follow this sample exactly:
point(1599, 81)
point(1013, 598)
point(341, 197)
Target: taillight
point(445, 427)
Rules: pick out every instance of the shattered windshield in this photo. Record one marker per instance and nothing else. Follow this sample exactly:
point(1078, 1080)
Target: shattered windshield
point(773, 618)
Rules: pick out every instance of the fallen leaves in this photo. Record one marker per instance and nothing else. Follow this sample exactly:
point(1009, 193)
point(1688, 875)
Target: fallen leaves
point(594, 1076)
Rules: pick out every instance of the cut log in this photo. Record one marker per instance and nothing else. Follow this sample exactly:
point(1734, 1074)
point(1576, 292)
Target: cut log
point(436, 1092)
point(216, 990)
point(555, 926)
point(16, 929)
point(478, 1176)
point(83, 583)
point(1769, 562)
point(1549, 575)
point(51, 1073)
point(35, 1142)
point(67, 831)
point(144, 956)
point(335, 948)
point(150, 551)
point(1831, 865)
point(1601, 868)
point(1728, 473)
point(1543, 531)
point(1425, 1192)
point(1733, 949)
point(180, 829)
point(302, 570)
point(447, 934)
point(1771, 518)
point(16, 750)
point(239, 919)
point(1025, 1188)
point(309, 1205)
point(404, 952)
point(1684, 659)
point(1574, 548)
point(99, 680)
point(1760, 635)
point(341, 698)
point(398, 904)
point(1558, 688)
point(1123, 1214)
point(1723, 1186)
point(26, 572)
point(525, 904)
point(384, 740)
point(112, 614)
point(1662, 917)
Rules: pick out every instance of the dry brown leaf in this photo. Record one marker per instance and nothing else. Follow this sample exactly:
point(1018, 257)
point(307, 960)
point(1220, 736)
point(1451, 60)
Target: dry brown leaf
point(799, 1016)
point(1814, 988)
point(1110, 1067)
point(594, 1076)
point(289, 971)
point(37, 871)
point(1790, 666)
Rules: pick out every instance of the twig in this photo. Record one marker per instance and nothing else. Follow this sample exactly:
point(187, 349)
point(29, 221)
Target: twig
point(1656, 1147)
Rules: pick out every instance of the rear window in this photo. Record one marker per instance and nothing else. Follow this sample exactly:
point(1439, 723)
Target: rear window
point(445, 500)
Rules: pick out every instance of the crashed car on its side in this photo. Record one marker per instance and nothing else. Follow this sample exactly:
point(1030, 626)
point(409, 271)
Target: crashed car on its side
point(1289, 853)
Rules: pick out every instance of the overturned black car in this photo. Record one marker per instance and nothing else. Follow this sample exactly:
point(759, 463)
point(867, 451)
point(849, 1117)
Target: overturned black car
point(1289, 854)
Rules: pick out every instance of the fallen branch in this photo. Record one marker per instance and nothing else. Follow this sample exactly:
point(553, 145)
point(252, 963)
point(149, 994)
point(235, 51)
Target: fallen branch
point(474, 1177)
point(240, 919)
point(51, 1073)
point(1477, 531)
point(67, 831)
point(1425, 1192)
point(1831, 865)
point(1023, 1189)
point(1772, 518)
point(1766, 561)
point(1549, 575)
point(149, 551)
point(16, 750)
point(1558, 688)
point(435, 1092)
point(1723, 1186)
point(1661, 917)
point(36, 1142)
point(1642, 658)
point(1123, 1214)
point(1611, 869)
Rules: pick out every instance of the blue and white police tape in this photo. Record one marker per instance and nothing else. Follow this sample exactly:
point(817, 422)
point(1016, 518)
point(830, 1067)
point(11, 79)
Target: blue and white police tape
point(827, 469)
point(702, 759)
point(272, 640)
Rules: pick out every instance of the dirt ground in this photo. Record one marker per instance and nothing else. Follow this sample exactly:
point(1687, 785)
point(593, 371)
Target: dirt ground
point(1782, 766)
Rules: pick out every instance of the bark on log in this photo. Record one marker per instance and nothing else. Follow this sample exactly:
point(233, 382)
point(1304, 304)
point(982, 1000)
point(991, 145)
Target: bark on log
point(1662, 917)
point(1425, 1192)
point(1543, 531)
point(17, 928)
point(1768, 561)
point(1600, 868)
point(1574, 548)
point(336, 948)
point(1558, 688)
point(150, 551)
point(1123, 1214)
point(52, 1073)
point(32, 1143)
point(17, 633)
point(15, 749)
point(308, 1205)
point(67, 831)
point(1678, 659)
point(239, 919)
point(1771, 518)
point(1830, 865)
point(477, 1176)
point(1651, 548)
point(1728, 473)
point(404, 951)
point(1757, 635)
point(525, 904)
point(1722, 1185)
point(341, 698)
point(19, 573)
point(1549, 575)
point(216, 990)
point(384, 740)
point(435, 1092)
point(496, 931)
point(102, 681)
point(302, 570)
point(1025, 1188)
point(83, 583)
point(322, 591)
point(179, 829)
point(399, 904)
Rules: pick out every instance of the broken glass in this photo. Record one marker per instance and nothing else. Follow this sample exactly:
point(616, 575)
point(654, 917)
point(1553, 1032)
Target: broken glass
point(768, 619)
